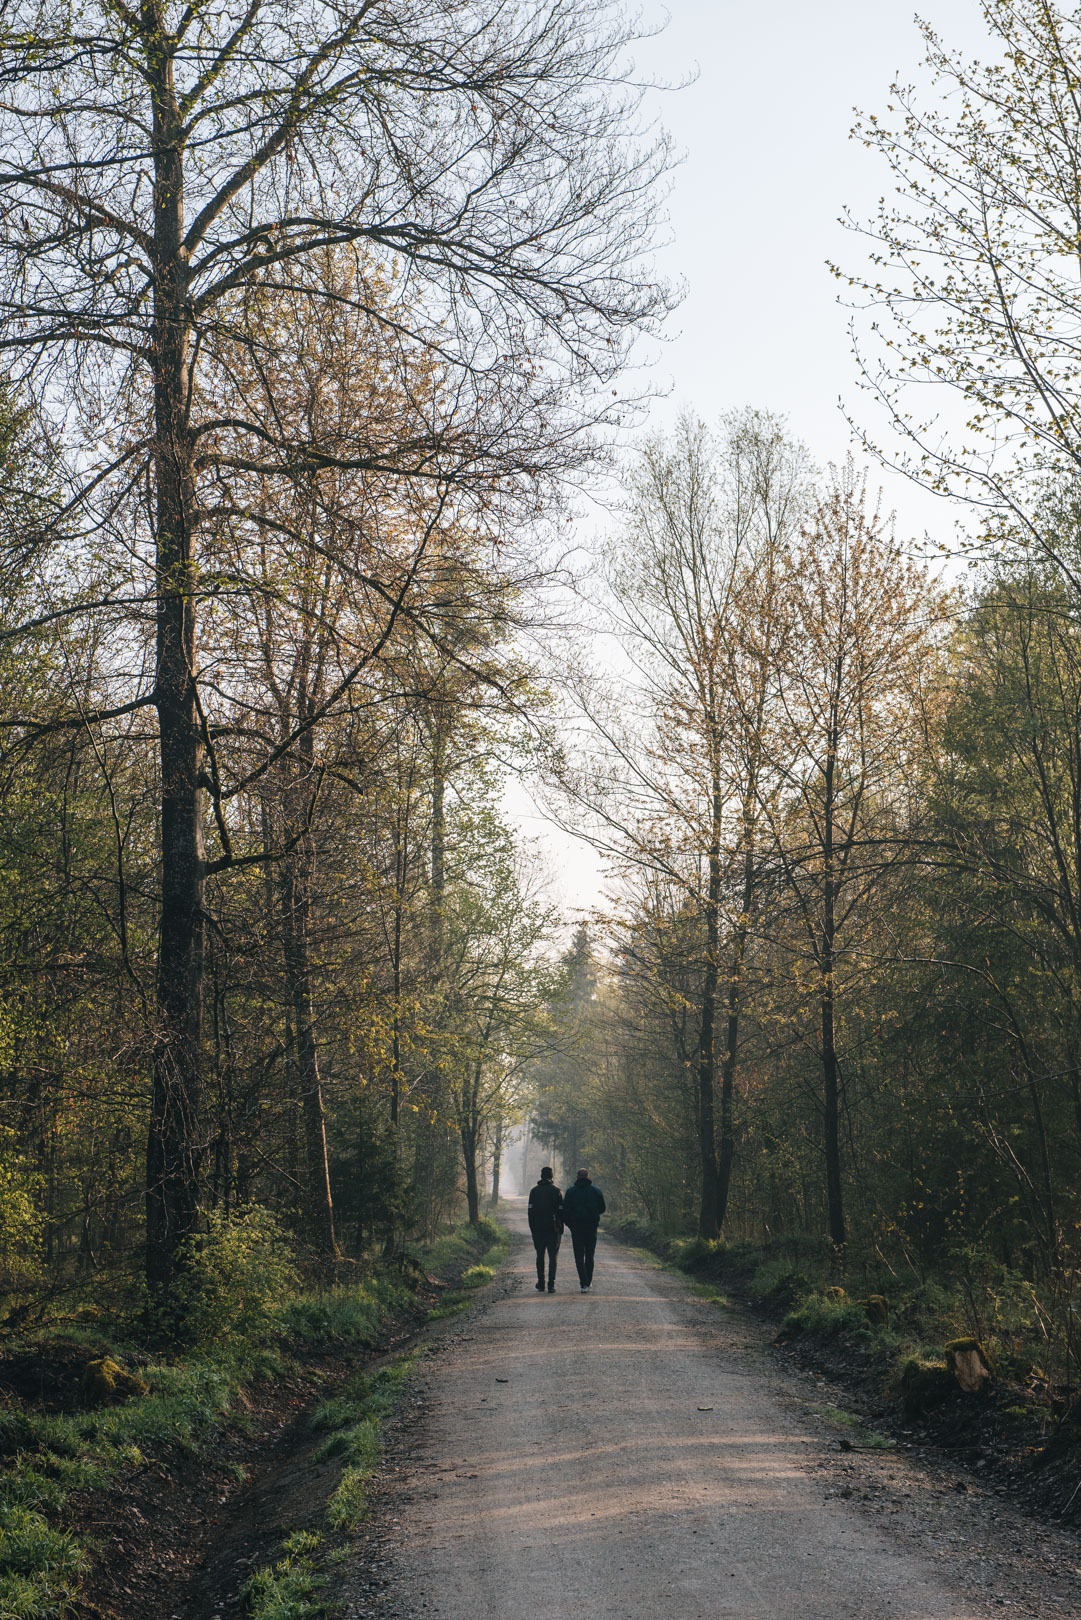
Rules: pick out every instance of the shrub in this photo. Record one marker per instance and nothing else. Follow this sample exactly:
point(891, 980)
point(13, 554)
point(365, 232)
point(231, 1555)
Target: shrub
point(489, 1232)
point(821, 1317)
point(21, 1220)
point(779, 1284)
point(233, 1278)
point(345, 1315)
point(697, 1254)
point(477, 1277)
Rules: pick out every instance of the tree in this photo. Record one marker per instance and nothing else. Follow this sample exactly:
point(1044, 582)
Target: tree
point(974, 270)
point(323, 556)
point(495, 930)
point(187, 155)
point(849, 729)
point(558, 1079)
point(1005, 804)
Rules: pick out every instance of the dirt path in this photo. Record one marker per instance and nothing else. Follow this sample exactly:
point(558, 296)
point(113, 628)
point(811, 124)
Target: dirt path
point(637, 1451)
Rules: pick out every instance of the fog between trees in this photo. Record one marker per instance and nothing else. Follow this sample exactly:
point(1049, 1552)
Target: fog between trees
point(311, 321)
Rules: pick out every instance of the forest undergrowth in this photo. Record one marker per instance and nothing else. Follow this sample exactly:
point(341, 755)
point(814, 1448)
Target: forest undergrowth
point(91, 1415)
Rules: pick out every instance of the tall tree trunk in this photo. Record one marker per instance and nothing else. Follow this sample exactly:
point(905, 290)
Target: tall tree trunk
point(292, 1093)
point(1050, 1212)
point(468, 1135)
point(497, 1161)
point(574, 1153)
point(830, 1086)
point(727, 1145)
point(1074, 1073)
point(426, 1155)
point(173, 1144)
point(296, 920)
point(707, 1137)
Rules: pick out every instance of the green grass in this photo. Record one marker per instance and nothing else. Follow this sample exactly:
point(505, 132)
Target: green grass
point(838, 1418)
point(53, 1454)
point(354, 1419)
point(39, 1566)
point(648, 1258)
point(821, 1317)
point(288, 1589)
point(351, 1419)
point(451, 1304)
point(456, 1300)
point(709, 1293)
point(349, 1501)
point(347, 1314)
point(451, 1254)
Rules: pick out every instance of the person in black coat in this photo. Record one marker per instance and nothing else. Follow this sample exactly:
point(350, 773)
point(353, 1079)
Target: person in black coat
point(583, 1207)
point(546, 1226)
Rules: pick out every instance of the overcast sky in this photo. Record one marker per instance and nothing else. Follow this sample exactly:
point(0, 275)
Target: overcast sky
point(767, 168)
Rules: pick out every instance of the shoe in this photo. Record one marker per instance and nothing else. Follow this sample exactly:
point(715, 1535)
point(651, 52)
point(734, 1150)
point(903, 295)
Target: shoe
point(551, 1288)
point(585, 1288)
point(540, 1288)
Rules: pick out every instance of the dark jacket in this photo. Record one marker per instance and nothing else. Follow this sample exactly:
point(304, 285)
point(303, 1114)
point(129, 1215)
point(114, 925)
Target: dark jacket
point(545, 1208)
point(583, 1206)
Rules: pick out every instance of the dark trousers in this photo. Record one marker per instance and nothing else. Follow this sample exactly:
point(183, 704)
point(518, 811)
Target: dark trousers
point(546, 1243)
point(584, 1243)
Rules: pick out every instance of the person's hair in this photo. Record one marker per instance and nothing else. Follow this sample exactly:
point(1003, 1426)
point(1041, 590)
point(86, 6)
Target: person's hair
point(583, 1174)
point(546, 1173)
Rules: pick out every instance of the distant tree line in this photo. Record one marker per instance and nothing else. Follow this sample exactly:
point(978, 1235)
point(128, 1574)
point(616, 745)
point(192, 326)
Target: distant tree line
point(837, 992)
point(837, 999)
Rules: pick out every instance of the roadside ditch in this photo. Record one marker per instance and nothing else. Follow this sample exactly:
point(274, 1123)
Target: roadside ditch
point(199, 1488)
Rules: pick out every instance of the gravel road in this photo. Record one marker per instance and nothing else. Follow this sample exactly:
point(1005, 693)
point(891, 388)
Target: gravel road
point(639, 1451)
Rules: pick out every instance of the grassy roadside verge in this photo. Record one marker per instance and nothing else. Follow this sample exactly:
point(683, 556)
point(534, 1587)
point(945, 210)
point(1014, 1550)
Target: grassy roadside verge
point(87, 1411)
point(957, 1363)
point(292, 1587)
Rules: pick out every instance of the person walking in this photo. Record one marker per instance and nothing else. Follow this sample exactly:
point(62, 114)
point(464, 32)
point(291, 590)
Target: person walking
point(545, 1212)
point(583, 1207)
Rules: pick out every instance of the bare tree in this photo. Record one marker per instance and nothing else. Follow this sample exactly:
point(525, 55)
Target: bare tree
point(846, 738)
point(676, 783)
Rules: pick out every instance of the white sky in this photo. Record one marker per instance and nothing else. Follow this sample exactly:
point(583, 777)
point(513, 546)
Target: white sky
point(767, 168)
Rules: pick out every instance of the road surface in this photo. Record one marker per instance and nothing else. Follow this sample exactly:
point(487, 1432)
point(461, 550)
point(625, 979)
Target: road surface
point(635, 1454)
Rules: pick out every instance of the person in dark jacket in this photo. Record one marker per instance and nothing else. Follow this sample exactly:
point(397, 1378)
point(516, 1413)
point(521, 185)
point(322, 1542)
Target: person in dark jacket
point(546, 1226)
point(582, 1209)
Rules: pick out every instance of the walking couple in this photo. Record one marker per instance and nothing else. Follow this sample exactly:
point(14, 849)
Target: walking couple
point(550, 1211)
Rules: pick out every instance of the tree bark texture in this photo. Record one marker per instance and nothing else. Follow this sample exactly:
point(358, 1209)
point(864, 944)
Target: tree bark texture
point(296, 922)
point(707, 1138)
point(831, 1103)
point(173, 1143)
point(469, 1156)
point(497, 1162)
